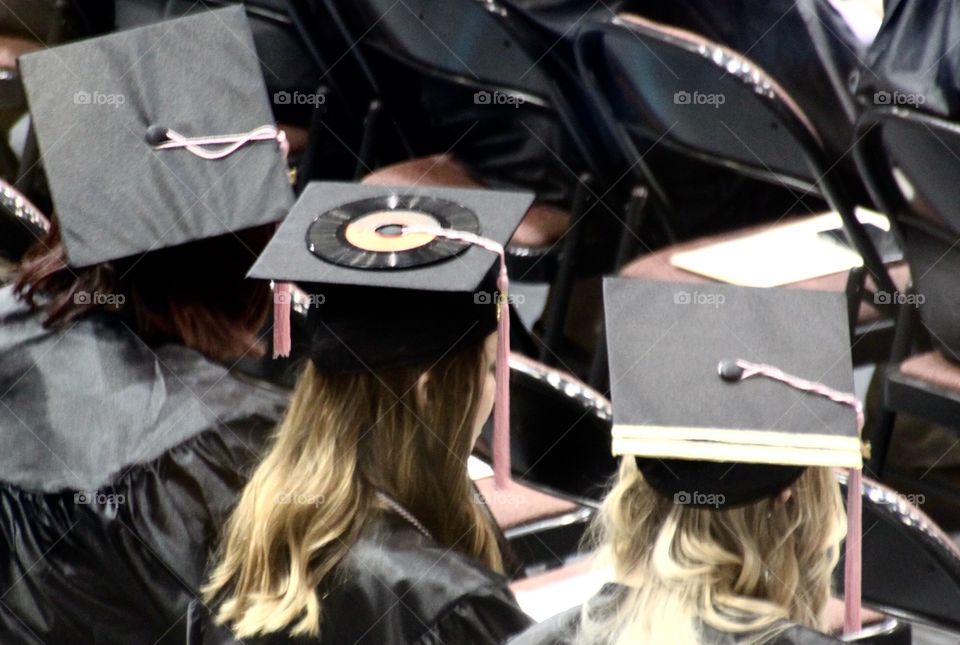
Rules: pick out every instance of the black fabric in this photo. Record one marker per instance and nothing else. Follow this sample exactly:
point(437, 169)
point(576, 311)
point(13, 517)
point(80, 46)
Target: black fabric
point(741, 483)
point(82, 405)
point(774, 35)
point(398, 587)
point(107, 517)
point(380, 318)
point(92, 103)
point(562, 629)
point(912, 61)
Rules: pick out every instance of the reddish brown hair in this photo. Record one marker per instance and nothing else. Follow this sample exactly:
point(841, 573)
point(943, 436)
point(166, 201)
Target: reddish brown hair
point(195, 293)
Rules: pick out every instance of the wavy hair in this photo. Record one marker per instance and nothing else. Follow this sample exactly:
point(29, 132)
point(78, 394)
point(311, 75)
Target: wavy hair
point(739, 570)
point(406, 432)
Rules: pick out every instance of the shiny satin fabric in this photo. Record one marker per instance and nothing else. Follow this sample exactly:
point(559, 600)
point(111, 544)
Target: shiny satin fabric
point(118, 464)
point(912, 62)
point(398, 587)
point(562, 630)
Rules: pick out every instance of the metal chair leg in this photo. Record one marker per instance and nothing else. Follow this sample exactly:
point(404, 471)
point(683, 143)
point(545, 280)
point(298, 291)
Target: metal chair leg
point(562, 287)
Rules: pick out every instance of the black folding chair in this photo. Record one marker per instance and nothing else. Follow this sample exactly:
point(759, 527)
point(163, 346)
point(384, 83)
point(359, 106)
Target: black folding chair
point(655, 83)
point(489, 54)
point(911, 568)
point(911, 166)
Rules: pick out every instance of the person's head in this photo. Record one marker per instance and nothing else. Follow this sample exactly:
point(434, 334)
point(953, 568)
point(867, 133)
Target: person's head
point(734, 569)
point(194, 293)
point(406, 432)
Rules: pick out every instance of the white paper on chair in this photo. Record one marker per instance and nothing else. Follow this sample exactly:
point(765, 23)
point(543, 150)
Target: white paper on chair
point(545, 595)
point(478, 469)
point(781, 255)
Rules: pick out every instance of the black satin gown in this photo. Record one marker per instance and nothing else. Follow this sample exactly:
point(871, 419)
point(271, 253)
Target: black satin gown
point(562, 630)
point(399, 587)
point(118, 464)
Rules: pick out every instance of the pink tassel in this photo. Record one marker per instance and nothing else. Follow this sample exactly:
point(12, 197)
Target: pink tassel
point(852, 566)
point(281, 319)
point(501, 410)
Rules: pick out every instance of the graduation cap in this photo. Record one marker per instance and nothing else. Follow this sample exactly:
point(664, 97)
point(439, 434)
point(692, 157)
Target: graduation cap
point(724, 394)
point(397, 277)
point(157, 136)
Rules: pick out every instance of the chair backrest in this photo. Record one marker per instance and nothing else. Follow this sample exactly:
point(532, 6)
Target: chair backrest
point(484, 46)
point(911, 165)
point(909, 563)
point(560, 430)
point(674, 87)
point(468, 40)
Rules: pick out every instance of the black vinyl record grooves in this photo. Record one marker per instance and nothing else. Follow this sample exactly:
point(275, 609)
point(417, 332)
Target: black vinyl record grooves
point(340, 235)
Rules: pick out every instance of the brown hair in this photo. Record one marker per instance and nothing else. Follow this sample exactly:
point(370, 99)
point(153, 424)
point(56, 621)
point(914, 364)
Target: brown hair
point(406, 432)
point(195, 293)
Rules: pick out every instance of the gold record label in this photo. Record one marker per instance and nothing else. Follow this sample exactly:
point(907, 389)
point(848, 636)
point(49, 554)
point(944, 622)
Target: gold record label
point(365, 232)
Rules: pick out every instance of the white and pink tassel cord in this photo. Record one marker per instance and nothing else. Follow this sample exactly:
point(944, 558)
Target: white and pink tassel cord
point(230, 142)
point(852, 620)
point(501, 411)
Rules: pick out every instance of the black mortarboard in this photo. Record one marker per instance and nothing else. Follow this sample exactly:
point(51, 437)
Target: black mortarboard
point(696, 396)
point(373, 310)
point(386, 292)
point(101, 106)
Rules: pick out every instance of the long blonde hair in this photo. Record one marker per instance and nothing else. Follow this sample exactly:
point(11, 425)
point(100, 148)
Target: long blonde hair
point(738, 570)
point(405, 432)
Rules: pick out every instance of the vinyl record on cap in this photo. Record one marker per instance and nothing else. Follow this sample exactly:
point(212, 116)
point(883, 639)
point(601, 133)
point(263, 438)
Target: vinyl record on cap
point(365, 234)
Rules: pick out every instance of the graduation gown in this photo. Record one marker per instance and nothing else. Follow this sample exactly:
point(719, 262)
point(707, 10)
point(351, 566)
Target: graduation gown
point(118, 463)
point(399, 587)
point(562, 630)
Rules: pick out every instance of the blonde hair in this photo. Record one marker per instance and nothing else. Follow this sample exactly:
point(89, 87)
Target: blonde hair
point(738, 570)
point(405, 432)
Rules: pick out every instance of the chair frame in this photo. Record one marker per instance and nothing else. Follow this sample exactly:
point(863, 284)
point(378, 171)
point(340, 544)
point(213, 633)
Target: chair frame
point(902, 393)
point(779, 104)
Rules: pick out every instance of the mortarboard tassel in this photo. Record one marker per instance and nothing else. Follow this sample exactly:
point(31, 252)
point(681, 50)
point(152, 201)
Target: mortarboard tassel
point(282, 296)
point(501, 410)
point(165, 139)
point(852, 567)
